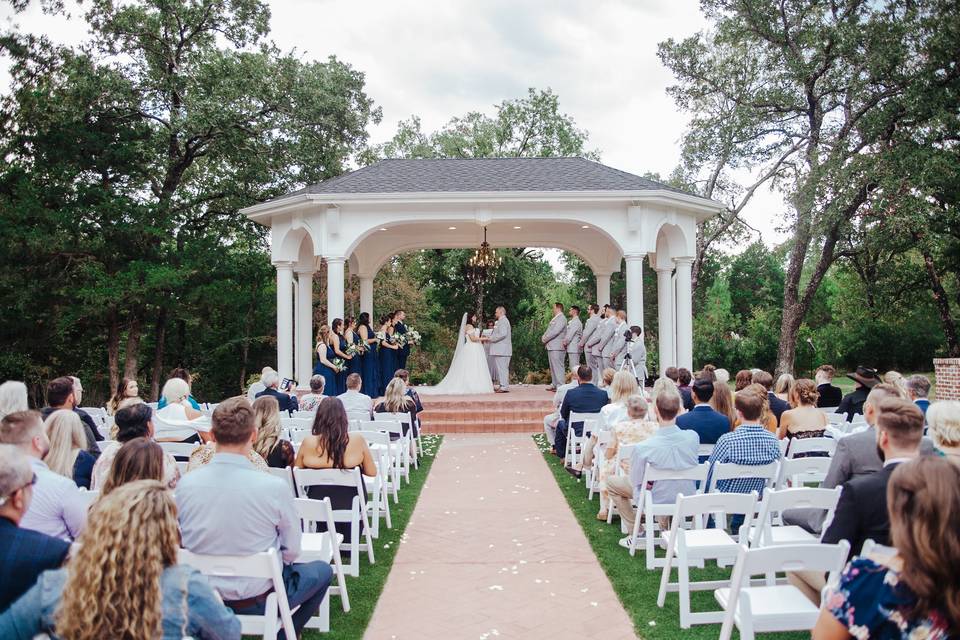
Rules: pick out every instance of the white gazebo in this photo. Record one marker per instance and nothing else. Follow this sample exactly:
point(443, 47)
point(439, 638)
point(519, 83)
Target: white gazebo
point(363, 218)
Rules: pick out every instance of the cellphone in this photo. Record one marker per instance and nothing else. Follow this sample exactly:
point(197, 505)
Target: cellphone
point(287, 383)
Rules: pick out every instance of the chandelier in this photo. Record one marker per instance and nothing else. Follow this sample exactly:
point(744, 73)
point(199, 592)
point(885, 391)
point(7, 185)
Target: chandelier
point(484, 259)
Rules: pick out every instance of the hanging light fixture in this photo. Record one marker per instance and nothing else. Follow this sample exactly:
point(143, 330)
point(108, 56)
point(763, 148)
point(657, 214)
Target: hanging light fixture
point(484, 259)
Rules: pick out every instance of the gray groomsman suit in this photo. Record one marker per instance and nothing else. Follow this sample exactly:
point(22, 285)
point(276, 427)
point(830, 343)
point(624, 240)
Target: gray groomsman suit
point(589, 331)
point(638, 353)
point(501, 350)
point(614, 349)
point(572, 338)
point(600, 349)
point(553, 341)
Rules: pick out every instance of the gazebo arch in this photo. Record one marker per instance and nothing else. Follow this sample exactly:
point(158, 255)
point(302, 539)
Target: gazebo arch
point(365, 217)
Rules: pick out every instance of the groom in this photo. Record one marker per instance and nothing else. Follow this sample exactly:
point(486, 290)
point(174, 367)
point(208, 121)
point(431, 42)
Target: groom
point(501, 348)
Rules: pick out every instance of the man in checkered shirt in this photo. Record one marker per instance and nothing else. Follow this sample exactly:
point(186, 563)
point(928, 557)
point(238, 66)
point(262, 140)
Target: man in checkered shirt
point(749, 444)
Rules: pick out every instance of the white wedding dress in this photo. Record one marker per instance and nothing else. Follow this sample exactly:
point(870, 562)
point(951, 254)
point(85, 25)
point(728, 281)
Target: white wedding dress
point(468, 373)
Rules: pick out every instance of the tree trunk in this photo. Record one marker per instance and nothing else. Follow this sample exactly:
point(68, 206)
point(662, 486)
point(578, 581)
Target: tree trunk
point(161, 335)
point(113, 349)
point(943, 304)
point(134, 333)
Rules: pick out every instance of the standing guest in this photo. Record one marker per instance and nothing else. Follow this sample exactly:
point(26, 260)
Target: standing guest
point(684, 378)
point(123, 581)
point(830, 395)
point(400, 329)
point(783, 386)
point(262, 503)
point(404, 375)
point(285, 401)
point(944, 420)
point(589, 330)
point(918, 390)
point(852, 403)
point(132, 421)
point(552, 340)
point(258, 386)
point(352, 339)
point(388, 353)
point(61, 394)
point(915, 593)
point(635, 427)
point(137, 459)
point(743, 380)
point(127, 388)
point(66, 455)
point(312, 400)
point(186, 376)
point(325, 358)
point(353, 399)
point(57, 508)
point(13, 397)
point(396, 400)
point(586, 398)
point(178, 421)
point(277, 452)
point(623, 386)
point(804, 420)
point(550, 420)
point(710, 425)
point(571, 337)
point(24, 554)
point(722, 398)
point(370, 360)
point(777, 405)
point(339, 343)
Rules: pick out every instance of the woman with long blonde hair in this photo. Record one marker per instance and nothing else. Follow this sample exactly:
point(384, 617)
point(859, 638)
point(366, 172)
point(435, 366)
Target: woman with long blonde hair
point(123, 581)
point(623, 386)
point(67, 455)
point(396, 400)
point(783, 386)
point(275, 450)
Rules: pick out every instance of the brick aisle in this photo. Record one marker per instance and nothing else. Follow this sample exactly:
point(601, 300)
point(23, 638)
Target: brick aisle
point(493, 551)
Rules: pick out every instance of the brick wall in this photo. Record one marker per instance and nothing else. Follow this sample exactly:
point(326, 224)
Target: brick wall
point(948, 378)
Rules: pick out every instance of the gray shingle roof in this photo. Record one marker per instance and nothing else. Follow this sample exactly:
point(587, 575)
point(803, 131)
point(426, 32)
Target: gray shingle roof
point(484, 175)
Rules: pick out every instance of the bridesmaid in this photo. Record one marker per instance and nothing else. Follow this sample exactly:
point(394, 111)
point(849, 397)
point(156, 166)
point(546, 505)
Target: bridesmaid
point(353, 338)
point(388, 353)
point(370, 361)
point(340, 348)
point(324, 365)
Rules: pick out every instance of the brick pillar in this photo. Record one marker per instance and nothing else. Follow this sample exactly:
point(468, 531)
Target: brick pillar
point(948, 378)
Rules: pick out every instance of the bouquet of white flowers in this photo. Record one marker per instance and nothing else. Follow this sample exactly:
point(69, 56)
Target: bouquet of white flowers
point(353, 350)
point(413, 337)
point(380, 335)
point(338, 364)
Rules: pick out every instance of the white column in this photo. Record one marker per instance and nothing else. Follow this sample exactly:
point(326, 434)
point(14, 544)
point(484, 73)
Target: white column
point(304, 346)
point(668, 357)
point(603, 288)
point(284, 319)
point(684, 313)
point(634, 289)
point(334, 288)
point(366, 296)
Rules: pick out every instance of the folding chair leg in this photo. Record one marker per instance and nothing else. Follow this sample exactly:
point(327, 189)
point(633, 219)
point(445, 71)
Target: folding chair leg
point(683, 575)
point(665, 576)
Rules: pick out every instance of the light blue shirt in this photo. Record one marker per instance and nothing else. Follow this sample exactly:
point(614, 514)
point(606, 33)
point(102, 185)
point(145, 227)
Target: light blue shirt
point(669, 448)
point(228, 507)
point(57, 508)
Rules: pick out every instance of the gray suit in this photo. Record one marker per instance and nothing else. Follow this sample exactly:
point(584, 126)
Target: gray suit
point(572, 338)
point(553, 340)
point(638, 353)
point(614, 344)
point(501, 350)
point(589, 331)
point(600, 339)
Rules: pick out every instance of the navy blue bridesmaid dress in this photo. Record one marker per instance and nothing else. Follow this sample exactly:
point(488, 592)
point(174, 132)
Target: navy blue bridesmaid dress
point(370, 368)
point(388, 366)
point(342, 376)
point(329, 376)
point(353, 365)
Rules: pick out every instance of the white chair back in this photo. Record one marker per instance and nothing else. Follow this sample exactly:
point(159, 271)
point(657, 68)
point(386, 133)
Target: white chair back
point(179, 449)
point(361, 416)
point(296, 423)
point(729, 471)
point(298, 434)
point(800, 471)
point(775, 502)
point(88, 497)
point(809, 445)
point(837, 419)
point(304, 415)
point(705, 450)
point(322, 546)
point(103, 444)
point(285, 474)
point(95, 412)
point(783, 444)
point(591, 421)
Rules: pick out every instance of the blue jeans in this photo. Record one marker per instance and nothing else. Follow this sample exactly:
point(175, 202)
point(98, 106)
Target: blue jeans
point(306, 585)
point(560, 440)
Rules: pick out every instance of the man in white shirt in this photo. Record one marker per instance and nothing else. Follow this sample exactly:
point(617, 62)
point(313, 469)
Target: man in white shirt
point(57, 508)
point(353, 399)
point(258, 386)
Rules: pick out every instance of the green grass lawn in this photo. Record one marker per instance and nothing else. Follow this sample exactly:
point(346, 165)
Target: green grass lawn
point(635, 586)
point(365, 590)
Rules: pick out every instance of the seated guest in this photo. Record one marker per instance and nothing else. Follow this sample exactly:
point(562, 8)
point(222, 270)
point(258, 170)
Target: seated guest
point(24, 554)
point(137, 459)
point(915, 593)
point(61, 394)
point(258, 386)
point(804, 420)
point(396, 400)
point(722, 398)
point(353, 399)
point(286, 401)
point(181, 374)
point(178, 421)
point(852, 403)
point(404, 375)
point(276, 451)
point(743, 380)
point(918, 388)
point(13, 397)
point(57, 508)
point(123, 580)
point(550, 420)
point(767, 420)
point(66, 455)
point(668, 448)
point(748, 444)
point(229, 490)
point(782, 387)
point(127, 388)
point(623, 386)
point(132, 420)
point(606, 378)
point(684, 378)
point(586, 398)
point(709, 424)
point(829, 394)
point(312, 400)
point(635, 427)
point(777, 406)
point(721, 376)
point(896, 379)
point(944, 420)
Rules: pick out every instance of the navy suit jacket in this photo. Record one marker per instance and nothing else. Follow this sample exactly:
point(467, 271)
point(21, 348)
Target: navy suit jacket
point(402, 329)
point(24, 555)
point(286, 401)
point(777, 406)
point(706, 421)
point(862, 511)
point(584, 398)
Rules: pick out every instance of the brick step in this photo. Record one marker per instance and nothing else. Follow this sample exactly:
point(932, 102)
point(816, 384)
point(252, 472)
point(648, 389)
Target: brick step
point(442, 426)
point(502, 415)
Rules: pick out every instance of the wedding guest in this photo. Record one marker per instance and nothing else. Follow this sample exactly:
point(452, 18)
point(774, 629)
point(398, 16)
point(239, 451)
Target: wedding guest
point(805, 420)
point(767, 420)
point(24, 554)
point(123, 580)
point(852, 403)
point(66, 455)
point(830, 395)
point(404, 375)
point(743, 380)
point(127, 388)
point(709, 424)
point(353, 399)
point(287, 402)
point(388, 353)
point(673, 374)
point(178, 421)
point(635, 427)
point(352, 340)
point(918, 390)
point(57, 508)
point(748, 444)
point(370, 360)
point(61, 394)
point(586, 398)
point(258, 386)
point(186, 376)
point(312, 400)
point(13, 397)
point(722, 398)
point(325, 357)
point(782, 387)
point(137, 459)
point(132, 421)
point(622, 387)
point(396, 400)
point(896, 379)
point(721, 376)
point(276, 451)
point(684, 379)
point(777, 405)
point(915, 592)
point(944, 420)
point(262, 503)
point(607, 378)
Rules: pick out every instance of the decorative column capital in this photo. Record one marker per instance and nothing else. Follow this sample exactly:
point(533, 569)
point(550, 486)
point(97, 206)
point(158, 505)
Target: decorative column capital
point(685, 260)
point(305, 271)
point(334, 259)
point(634, 257)
point(284, 265)
point(664, 268)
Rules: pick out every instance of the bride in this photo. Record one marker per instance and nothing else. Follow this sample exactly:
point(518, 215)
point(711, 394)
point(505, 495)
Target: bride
point(469, 372)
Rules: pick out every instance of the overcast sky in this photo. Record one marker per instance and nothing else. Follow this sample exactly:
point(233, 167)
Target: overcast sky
point(441, 58)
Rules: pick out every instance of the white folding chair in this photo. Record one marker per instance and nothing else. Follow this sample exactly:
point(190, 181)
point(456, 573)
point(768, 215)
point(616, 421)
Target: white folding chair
point(768, 530)
point(377, 486)
point(705, 450)
point(359, 416)
point(408, 437)
point(103, 444)
point(799, 471)
point(356, 515)
point(858, 419)
point(690, 547)
point(88, 497)
point(604, 440)
point(94, 412)
point(304, 415)
point(783, 444)
point(322, 545)
point(265, 565)
point(782, 607)
point(811, 445)
point(285, 474)
point(576, 443)
point(297, 435)
point(182, 466)
point(729, 471)
point(828, 410)
point(396, 448)
point(179, 449)
point(623, 454)
point(837, 419)
point(295, 423)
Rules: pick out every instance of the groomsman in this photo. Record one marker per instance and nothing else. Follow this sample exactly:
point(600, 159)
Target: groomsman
point(571, 339)
point(593, 321)
point(399, 328)
point(552, 339)
point(615, 344)
point(602, 338)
